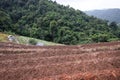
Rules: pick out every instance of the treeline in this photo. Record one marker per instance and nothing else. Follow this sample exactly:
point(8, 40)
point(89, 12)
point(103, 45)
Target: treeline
point(47, 20)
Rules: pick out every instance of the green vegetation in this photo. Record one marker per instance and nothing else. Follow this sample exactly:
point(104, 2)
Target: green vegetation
point(32, 42)
point(3, 37)
point(24, 40)
point(47, 20)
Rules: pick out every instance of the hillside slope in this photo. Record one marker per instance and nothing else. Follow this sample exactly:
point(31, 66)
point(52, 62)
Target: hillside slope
point(47, 20)
point(113, 15)
point(24, 40)
point(84, 62)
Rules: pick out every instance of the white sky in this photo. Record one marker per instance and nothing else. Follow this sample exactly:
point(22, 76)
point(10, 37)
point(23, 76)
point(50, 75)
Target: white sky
point(90, 4)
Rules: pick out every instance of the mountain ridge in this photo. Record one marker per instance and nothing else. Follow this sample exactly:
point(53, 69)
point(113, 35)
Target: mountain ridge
point(109, 14)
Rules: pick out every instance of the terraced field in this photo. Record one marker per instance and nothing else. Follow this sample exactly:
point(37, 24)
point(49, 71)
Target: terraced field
point(99, 61)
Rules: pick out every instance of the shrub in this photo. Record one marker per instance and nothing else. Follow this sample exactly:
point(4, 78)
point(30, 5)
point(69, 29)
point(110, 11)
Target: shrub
point(100, 38)
point(32, 41)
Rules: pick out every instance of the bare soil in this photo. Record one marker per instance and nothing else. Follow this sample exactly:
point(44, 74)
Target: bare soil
point(99, 61)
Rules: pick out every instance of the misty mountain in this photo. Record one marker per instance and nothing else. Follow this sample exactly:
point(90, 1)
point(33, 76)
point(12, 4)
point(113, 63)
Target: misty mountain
point(113, 15)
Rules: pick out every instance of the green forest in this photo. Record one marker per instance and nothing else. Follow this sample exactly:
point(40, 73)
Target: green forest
point(48, 20)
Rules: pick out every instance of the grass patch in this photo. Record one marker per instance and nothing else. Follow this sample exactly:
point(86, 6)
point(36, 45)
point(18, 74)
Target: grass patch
point(24, 40)
point(3, 37)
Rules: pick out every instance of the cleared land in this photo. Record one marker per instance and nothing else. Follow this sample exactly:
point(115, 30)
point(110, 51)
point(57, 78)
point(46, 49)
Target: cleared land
point(99, 61)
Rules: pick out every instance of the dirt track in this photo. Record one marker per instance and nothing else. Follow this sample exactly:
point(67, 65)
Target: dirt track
point(99, 61)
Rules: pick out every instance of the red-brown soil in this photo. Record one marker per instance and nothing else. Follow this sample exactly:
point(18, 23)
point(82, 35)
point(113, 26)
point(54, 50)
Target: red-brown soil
point(100, 61)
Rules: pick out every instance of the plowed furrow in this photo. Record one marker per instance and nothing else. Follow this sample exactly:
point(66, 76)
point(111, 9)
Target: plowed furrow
point(56, 59)
point(99, 61)
point(64, 68)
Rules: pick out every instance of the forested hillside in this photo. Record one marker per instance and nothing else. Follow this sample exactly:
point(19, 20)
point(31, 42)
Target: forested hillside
point(47, 20)
point(113, 15)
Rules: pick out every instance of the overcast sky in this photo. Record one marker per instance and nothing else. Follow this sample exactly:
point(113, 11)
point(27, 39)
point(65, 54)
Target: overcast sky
point(90, 4)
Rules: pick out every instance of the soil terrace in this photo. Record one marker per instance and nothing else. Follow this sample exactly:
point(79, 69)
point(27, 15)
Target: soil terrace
point(99, 61)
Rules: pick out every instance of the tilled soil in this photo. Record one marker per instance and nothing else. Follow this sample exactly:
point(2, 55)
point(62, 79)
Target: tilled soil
point(100, 61)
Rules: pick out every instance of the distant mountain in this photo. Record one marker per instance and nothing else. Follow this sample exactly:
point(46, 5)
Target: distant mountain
point(113, 15)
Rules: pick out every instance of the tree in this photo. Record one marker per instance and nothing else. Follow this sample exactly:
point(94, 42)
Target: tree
point(53, 29)
point(33, 30)
point(113, 26)
point(5, 21)
point(100, 37)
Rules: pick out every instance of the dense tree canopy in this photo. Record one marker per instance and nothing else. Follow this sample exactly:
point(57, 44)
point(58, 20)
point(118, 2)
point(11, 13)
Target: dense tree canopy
point(47, 20)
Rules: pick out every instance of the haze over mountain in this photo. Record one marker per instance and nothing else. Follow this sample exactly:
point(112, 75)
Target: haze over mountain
point(113, 15)
point(48, 20)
